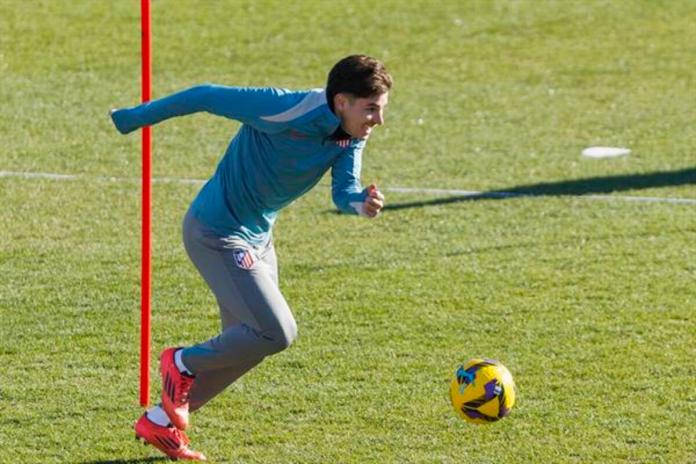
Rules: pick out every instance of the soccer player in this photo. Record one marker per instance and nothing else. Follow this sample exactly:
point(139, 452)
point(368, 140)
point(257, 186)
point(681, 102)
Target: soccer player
point(287, 141)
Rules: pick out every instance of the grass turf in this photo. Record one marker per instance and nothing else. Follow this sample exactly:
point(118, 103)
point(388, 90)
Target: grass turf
point(590, 303)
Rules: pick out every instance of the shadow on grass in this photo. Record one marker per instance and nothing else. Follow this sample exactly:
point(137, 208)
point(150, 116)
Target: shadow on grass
point(128, 461)
point(592, 185)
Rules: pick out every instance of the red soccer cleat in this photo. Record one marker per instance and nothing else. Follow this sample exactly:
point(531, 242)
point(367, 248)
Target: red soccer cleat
point(170, 440)
point(175, 390)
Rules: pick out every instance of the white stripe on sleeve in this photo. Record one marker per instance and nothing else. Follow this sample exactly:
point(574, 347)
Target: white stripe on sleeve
point(314, 99)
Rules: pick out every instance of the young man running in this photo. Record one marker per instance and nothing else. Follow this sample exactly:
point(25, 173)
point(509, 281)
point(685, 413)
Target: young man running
point(287, 141)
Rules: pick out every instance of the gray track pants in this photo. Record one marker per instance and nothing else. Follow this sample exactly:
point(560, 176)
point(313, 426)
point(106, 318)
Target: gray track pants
point(256, 319)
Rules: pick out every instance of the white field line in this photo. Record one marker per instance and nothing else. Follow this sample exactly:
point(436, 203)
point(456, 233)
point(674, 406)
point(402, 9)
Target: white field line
point(427, 191)
point(52, 176)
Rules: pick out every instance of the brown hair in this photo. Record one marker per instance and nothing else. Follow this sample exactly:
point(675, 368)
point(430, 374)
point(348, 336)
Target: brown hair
point(358, 75)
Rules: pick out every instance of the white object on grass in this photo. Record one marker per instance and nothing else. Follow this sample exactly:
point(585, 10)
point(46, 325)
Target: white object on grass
point(605, 152)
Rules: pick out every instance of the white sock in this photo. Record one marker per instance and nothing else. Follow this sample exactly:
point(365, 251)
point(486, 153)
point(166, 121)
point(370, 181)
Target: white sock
point(158, 416)
point(180, 363)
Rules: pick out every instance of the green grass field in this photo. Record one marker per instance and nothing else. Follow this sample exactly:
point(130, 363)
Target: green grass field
point(590, 301)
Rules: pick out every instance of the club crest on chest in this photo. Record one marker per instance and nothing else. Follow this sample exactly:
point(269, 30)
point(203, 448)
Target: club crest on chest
point(343, 143)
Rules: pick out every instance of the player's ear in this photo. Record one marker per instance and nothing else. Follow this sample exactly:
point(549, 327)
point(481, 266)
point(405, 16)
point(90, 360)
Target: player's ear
point(340, 102)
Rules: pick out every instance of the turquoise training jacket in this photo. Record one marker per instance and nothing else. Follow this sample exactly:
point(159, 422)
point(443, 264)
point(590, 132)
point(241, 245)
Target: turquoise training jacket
point(285, 145)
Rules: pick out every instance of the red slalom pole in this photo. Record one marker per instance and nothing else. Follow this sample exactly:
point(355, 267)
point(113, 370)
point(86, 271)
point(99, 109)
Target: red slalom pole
point(146, 270)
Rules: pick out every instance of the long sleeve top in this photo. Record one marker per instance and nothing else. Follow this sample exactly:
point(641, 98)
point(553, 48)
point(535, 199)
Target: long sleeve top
point(286, 143)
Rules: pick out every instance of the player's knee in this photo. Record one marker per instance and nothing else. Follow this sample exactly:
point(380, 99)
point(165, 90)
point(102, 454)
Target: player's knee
point(284, 337)
point(289, 333)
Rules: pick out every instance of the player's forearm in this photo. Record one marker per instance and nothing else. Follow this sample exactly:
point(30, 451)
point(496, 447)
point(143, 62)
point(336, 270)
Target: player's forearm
point(188, 101)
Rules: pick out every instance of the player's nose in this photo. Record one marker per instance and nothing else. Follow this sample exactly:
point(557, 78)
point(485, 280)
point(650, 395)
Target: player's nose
point(378, 118)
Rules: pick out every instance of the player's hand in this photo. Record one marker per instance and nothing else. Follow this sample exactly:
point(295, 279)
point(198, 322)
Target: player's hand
point(374, 202)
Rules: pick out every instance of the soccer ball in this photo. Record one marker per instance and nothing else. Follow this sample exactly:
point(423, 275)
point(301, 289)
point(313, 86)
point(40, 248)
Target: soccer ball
point(482, 391)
